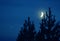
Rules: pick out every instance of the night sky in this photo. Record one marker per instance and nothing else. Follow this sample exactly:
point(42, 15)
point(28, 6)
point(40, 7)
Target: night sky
point(14, 12)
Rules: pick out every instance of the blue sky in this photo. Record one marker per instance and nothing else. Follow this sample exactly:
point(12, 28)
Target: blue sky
point(14, 12)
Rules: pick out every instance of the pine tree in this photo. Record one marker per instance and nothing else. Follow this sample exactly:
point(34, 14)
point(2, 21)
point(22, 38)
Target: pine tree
point(41, 34)
point(50, 24)
point(28, 31)
point(46, 26)
point(22, 33)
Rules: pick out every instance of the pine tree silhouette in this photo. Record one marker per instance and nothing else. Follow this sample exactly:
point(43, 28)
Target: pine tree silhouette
point(41, 35)
point(46, 26)
point(28, 31)
point(50, 25)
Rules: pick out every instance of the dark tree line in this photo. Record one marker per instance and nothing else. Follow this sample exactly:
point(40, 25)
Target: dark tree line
point(50, 30)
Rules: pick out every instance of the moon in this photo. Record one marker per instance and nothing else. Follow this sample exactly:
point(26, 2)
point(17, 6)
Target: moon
point(42, 15)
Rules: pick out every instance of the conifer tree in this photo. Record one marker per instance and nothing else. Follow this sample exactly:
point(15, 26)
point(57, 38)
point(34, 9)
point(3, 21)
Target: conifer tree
point(46, 26)
point(50, 24)
point(28, 31)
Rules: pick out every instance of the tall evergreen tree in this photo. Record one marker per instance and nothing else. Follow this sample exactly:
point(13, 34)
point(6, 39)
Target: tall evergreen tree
point(50, 24)
point(47, 22)
point(41, 34)
point(28, 31)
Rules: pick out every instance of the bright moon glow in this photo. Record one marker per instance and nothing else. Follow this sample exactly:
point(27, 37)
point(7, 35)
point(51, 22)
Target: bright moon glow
point(42, 15)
